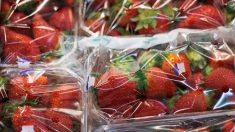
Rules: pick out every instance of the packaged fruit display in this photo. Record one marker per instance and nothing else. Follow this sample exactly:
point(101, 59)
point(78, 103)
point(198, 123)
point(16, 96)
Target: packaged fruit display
point(36, 31)
point(150, 17)
point(167, 80)
point(40, 100)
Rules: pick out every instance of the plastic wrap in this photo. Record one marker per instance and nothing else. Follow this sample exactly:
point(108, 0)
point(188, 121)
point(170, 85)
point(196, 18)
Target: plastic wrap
point(190, 75)
point(37, 31)
point(149, 17)
point(41, 100)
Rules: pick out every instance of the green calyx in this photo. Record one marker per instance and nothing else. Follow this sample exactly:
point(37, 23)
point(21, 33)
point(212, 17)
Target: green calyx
point(94, 15)
point(146, 19)
point(196, 59)
point(229, 12)
point(169, 12)
point(27, 7)
point(124, 62)
point(210, 98)
point(207, 70)
point(52, 54)
point(141, 80)
point(171, 101)
point(152, 58)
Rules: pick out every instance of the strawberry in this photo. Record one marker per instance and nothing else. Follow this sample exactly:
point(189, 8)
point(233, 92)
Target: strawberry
point(63, 19)
point(158, 84)
point(193, 101)
point(115, 89)
point(149, 107)
point(151, 22)
point(224, 60)
point(5, 6)
point(195, 80)
point(221, 79)
point(19, 45)
point(58, 121)
point(27, 116)
point(64, 96)
point(45, 35)
point(125, 20)
point(229, 126)
point(20, 23)
point(32, 88)
point(203, 17)
point(177, 66)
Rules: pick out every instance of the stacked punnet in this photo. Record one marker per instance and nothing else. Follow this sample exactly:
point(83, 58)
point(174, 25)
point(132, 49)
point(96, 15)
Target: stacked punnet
point(150, 17)
point(36, 30)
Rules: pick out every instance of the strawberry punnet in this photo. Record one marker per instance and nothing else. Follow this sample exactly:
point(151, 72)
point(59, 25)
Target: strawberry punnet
point(27, 116)
point(221, 79)
point(45, 35)
point(203, 17)
point(193, 101)
point(115, 89)
point(158, 84)
point(63, 19)
point(18, 46)
point(149, 107)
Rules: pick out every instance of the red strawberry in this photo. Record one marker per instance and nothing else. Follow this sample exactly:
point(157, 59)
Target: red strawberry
point(63, 19)
point(177, 66)
point(195, 80)
point(19, 45)
point(227, 62)
point(20, 23)
point(65, 96)
point(229, 126)
point(114, 33)
point(149, 107)
point(203, 17)
point(193, 101)
point(115, 89)
point(221, 79)
point(158, 84)
point(125, 20)
point(57, 121)
point(32, 88)
point(45, 35)
point(27, 116)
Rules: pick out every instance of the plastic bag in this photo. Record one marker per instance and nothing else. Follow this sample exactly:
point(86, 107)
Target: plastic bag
point(149, 17)
point(190, 75)
point(41, 100)
point(37, 31)
point(216, 122)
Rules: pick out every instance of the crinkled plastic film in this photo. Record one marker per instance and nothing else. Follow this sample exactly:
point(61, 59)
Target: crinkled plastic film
point(41, 100)
point(192, 75)
point(151, 17)
point(39, 32)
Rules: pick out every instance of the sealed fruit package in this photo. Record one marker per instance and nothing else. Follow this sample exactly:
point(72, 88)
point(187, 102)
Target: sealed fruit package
point(189, 76)
point(40, 100)
point(150, 17)
point(37, 31)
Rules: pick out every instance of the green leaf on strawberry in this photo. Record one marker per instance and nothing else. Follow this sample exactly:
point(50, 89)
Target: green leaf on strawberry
point(196, 59)
point(28, 7)
point(146, 19)
point(171, 101)
point(124, 62)
point(94, 15)
point(229, 12)
point(141, 80)
point(208, 69)
point(169, 12)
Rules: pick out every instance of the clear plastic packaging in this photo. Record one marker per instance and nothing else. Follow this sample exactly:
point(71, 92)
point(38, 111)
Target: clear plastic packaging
point(191, 75)
point(150, 17)
point(37, 31)
point(41, 100)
